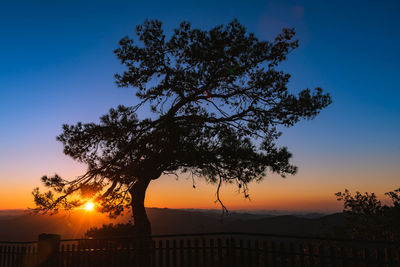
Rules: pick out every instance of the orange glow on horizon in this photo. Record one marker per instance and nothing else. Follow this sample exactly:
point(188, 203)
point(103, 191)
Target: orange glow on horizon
point(310, 190)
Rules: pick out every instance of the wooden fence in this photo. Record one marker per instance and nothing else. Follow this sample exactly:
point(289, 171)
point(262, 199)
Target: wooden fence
point(195, 250)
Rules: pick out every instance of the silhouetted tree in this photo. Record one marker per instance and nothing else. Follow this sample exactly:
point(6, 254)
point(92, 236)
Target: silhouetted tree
point(217, 97)
point(111, 230)
point(368, 218)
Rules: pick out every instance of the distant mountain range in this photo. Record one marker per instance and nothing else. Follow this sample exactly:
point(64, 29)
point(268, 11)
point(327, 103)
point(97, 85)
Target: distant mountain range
point(18, 225)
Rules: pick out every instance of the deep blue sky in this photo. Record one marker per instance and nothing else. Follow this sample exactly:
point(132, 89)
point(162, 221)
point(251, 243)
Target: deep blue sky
point(57, 66)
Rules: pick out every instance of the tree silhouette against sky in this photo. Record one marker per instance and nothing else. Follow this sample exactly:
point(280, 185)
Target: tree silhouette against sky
point(216, 96)
point(368, 219)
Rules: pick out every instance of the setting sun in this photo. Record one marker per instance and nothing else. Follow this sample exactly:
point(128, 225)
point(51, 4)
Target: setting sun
point(89, 206)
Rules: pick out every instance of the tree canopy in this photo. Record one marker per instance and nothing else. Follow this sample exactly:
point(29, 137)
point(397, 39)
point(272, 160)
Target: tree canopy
point(217, 98)
point(367, 218)
point(110, 230)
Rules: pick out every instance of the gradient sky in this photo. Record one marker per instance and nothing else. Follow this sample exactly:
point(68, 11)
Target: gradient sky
point(57, 66)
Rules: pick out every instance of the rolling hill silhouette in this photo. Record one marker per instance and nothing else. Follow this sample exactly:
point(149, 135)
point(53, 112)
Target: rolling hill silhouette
point(19, 226)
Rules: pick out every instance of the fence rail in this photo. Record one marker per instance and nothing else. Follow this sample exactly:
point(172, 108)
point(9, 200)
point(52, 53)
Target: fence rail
point(195, 250)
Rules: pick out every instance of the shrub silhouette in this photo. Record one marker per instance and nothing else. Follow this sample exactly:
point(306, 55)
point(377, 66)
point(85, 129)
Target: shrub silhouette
point(368, 218)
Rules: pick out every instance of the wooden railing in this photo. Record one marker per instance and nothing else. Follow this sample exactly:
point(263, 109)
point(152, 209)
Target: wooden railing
point(213, 249)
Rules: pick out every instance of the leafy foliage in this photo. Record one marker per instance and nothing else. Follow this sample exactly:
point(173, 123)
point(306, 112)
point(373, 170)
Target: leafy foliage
point(368, 218)
point(111, 230)
point(217, 98)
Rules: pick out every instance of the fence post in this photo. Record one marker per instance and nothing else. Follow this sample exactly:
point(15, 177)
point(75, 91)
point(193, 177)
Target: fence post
point(212, 257)
point(241, 253)
point(2, 255)
point(357, 257)
point(228, 261)
point(257, 253)
point(174, 248)
point(189, 253)
point(265, 252)
point(344, 257)
point(301, 252)
point(321, 257)
point(22, 255)
point(219, 244)
point(249, 253)
point(380, 256)
point(273, 253)
point(167, 253)
point(283, 254)
point(292, 254)
point(204, 248)
point(7, 259)
point(390, 257)
point(370, 258)
point(48, 248)
point(233, 252)
point(196, 252)
point(333, 257)
point(182, 253)
point(160, 254)
point(311, 254)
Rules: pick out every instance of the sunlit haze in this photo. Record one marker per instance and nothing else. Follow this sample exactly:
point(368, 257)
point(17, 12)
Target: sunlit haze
point(89, 206)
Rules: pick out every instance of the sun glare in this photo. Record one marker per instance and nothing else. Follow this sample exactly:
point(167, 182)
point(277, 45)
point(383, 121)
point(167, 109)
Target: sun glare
point(89, 206)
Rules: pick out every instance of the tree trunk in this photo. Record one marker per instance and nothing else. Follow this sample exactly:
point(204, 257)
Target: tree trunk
point(142, 223)
point(142, 226)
